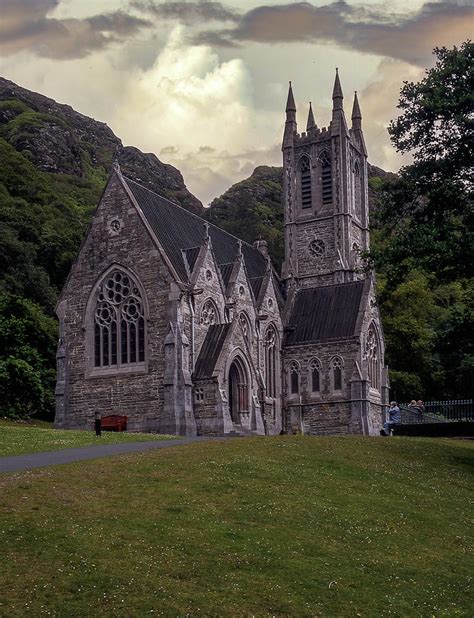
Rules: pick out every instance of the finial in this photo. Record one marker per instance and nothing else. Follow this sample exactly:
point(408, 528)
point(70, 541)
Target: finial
point(206, 231)
point(116, 166)
point(337, 95)
point(311, 123)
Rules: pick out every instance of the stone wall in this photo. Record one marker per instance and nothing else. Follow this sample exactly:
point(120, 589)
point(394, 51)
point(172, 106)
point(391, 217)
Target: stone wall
point(138, 395)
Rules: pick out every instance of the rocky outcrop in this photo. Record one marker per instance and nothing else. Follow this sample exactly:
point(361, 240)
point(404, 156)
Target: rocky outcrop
point(59, 140)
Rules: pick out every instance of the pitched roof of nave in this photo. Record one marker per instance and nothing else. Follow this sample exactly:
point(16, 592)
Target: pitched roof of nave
point(181, 233)
point(329, 312)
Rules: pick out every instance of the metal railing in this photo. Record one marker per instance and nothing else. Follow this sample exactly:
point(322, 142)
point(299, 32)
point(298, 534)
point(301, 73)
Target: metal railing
point(439, 412)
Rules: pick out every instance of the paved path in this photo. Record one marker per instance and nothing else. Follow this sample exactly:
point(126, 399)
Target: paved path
point(17, 463)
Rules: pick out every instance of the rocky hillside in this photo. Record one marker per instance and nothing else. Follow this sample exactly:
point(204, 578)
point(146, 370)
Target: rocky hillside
point(252, 208)
point(58, 140)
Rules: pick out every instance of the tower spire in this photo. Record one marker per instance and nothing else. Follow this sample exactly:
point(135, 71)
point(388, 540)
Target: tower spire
point(290, 102)
point(311, 123)
point(290, 124)
point(337, 96)
point(356, 115)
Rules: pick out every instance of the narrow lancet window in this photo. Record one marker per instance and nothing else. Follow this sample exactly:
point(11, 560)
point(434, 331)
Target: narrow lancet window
point(305, 176)
point(337, 366)
point(326, 178)
point(372, 353)
point(315, 369)
point(294, 371)
point(271, 361)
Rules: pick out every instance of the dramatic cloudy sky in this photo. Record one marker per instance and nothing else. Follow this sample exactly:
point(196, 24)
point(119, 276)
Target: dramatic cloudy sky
point(203, 84)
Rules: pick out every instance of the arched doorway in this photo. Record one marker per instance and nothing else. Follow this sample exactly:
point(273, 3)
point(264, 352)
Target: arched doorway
point(238, 390)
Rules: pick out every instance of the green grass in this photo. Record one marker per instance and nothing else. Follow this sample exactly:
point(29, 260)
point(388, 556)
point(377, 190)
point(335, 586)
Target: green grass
point(18, 438)
point(284, 526)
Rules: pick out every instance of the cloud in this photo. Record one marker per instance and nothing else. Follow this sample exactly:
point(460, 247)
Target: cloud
point(188, 12)
point(370, 29)
point(26, 25)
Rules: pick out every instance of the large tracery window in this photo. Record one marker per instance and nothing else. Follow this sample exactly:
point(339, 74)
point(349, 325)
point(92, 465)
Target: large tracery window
point(209, 313)
point(305, 177)
point(315, 369)
point(326, 178)
point(337, 367)
point(373, 358)
point(294, 377)
point(119, 322)
point(271, 352)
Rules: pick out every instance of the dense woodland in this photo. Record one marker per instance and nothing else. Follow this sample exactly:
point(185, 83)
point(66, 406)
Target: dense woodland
point(53, 168)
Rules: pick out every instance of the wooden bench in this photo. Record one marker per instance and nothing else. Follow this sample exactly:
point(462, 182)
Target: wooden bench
point(114, 422)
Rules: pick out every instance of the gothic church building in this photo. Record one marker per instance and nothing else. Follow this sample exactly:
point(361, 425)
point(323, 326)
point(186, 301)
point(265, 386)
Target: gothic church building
point(187, 330)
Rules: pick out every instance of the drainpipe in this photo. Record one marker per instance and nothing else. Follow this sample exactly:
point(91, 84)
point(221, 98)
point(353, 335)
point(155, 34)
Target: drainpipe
point(191, 309)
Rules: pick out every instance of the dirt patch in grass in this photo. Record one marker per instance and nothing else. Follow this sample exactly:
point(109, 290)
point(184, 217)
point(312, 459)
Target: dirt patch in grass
point(286, 526)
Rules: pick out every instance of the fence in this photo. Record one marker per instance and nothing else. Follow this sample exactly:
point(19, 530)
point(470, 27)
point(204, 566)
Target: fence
point(440, 411)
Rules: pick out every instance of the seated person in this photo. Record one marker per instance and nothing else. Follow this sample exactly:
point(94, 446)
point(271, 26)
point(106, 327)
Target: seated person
point(394, 417)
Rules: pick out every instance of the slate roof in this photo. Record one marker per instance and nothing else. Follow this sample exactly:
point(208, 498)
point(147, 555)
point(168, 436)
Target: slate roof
point(210, 350)
point(319, 314)
point(180, 232)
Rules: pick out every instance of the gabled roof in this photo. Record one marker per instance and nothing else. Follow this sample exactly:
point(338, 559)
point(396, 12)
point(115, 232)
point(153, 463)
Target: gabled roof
point(180, 232)
point(330, 312)
point(210, 351)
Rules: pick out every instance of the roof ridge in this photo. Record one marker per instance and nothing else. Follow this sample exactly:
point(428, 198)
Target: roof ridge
point(193, 214)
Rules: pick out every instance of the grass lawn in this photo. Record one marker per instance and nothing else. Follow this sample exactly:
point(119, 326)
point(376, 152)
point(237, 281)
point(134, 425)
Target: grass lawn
point(284, 526)
point(19, 438)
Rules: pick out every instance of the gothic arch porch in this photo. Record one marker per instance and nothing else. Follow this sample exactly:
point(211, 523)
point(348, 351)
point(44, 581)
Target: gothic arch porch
point(238, 390)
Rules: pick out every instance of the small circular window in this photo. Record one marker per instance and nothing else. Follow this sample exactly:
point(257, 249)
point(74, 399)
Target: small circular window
point(270, 303)
point(317, 248)
point(115, 225)
point(208, 275)
point(242, 290)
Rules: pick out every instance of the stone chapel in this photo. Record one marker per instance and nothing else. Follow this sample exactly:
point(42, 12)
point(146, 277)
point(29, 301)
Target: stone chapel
point(185, 329)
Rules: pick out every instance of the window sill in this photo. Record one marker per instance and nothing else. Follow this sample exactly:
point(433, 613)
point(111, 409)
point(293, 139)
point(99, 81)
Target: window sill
point(104, 372)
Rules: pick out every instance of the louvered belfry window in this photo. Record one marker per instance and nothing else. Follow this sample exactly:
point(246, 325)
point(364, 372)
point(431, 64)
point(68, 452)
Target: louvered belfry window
point(326, 178)
point(305, 174)
point(119, 322)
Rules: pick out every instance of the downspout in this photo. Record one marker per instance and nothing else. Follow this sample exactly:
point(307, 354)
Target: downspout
point(191, 352)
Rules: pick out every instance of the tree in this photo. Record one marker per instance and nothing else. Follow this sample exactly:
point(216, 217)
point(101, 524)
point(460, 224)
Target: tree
point(423, 236)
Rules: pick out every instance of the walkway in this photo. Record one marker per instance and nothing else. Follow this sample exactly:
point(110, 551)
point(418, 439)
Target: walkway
point(18, 463)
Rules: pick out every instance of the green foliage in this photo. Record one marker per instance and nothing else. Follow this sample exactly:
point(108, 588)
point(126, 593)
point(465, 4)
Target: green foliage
point(252, 210)
point(27, 344)
point(423, 234)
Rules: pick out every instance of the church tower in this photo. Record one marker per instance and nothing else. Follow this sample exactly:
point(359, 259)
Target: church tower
point(335, 380)
point(325, 196)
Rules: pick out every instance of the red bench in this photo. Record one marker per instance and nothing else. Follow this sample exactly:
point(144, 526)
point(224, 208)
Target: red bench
point(114, 422)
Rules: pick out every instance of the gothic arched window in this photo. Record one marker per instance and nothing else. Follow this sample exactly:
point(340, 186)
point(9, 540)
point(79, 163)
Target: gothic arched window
point(294, 378)
point(326, 177)
point(315, 372)
point(357, 190)
point(119, 322)
point(336, 369)
point(246, 328)
point(209, 313)
point(373, 357)
point(305, 179)
point(271, 358)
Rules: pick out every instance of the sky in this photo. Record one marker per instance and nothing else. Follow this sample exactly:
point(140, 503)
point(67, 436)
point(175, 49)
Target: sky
point(203, 84)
